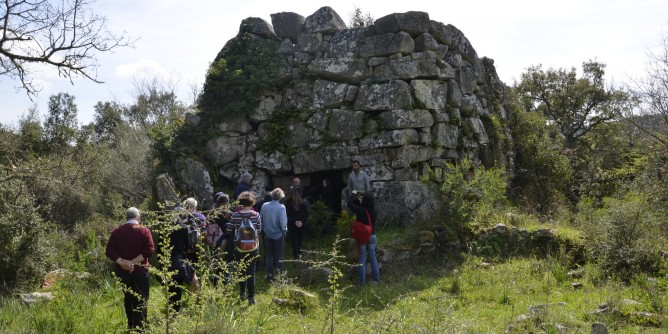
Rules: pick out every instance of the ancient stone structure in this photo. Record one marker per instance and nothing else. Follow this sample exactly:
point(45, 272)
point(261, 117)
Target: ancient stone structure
point(402, 94)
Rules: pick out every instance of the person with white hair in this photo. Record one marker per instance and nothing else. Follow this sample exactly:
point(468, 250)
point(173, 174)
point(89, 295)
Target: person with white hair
point(245, 182)
point(130, 246)
point(184, 253)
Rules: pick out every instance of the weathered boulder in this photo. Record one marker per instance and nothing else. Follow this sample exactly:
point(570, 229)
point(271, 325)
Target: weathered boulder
point(257, 26)
point(407, 68)
point(446, 135)
point(226, 149)
point(454, 38)
point(325, 158)
point(329, 94)
point(402, 119)
point(432, 94)
point(340, 69)
point(309, 43)
point(197, 180)
point(165, 189)
point(387, 45)
point(325, 20)
point(425, 42)
point(345, 124)
point(393, 138)
point(287, 25)
point(414, 23)
point(395, 94)
point(275, 161)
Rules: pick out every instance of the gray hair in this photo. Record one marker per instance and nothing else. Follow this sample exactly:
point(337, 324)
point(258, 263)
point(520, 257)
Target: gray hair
point(132, 213)
point(190, 203)
point(277, 194)
point(245, 177)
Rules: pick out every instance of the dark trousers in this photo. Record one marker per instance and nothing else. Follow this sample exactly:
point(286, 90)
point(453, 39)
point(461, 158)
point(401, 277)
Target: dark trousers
point(273, 255)
point(296, 236)
point(249, 261)
point(135, 300)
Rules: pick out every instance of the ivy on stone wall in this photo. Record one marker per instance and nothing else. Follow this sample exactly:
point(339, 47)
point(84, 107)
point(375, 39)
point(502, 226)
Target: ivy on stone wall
point(247, 67)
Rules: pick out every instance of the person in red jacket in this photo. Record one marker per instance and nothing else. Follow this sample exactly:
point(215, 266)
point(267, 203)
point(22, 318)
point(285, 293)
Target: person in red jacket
point(130, 246)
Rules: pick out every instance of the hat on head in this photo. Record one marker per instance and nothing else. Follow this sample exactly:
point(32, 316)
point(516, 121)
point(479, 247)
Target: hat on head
point(246, 176)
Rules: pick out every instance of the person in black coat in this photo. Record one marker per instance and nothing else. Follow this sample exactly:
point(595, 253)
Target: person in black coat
point(297, 211)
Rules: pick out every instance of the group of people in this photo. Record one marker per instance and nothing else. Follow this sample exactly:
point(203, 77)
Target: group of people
point(275, 217)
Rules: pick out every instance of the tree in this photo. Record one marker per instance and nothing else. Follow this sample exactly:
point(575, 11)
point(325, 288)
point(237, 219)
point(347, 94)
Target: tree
point(359, 19)
point(60, 127)
point(576, 105)
point(652, 93)
point(63, 34)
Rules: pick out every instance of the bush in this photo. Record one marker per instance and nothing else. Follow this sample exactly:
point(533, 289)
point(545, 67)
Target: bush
point(319, 218)
point(471, 194)
point(623, 235)
point(542, 171)
point(23, 249)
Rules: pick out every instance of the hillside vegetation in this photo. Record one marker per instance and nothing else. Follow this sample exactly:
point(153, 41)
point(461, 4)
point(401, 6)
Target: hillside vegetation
point(573, 233)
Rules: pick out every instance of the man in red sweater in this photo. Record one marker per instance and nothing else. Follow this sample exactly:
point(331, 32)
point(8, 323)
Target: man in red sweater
point(130, 245)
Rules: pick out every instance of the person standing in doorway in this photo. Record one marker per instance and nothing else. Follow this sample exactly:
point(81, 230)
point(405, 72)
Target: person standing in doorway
point(245, 182)
point(297, 212)
point(130, 246)
point(358, 180)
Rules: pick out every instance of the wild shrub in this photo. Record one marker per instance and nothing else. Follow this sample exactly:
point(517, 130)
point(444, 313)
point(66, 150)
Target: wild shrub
point(470, 194)
point(319, 218)
point(623, 235)
point(24, 251)
point(542, 174)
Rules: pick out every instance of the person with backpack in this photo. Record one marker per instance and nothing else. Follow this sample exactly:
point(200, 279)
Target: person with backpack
point(130, 246)
point(275, 226)
point(363, 206)
point(217, 239)
point(184, 239)
point(297, 211)
point(246, 225)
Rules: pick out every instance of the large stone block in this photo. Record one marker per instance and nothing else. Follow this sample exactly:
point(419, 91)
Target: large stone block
point(340, 69)
point(325, 20)
point(309, 43)
point(274, 161)
point(404, 202)
point(402, 119)
point(197, 180)
point(475, 124)
point(237, 124)
point(387, 45)
point(344, 43)
point(453, 37)
point(431, 94)
point(395, 94)
point(425, 42)
point(324, 158)
point(470, 106)
point(410, 155)
point(345, 124)
point(329, 94)
point(394, 138)
point(226, 149)
point(446, 135)
point(287, 25)
point(258, 27)
point(414, 23)
point(406, 68)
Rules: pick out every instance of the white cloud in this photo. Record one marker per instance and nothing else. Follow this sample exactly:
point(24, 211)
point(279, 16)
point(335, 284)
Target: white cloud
point(144, 68)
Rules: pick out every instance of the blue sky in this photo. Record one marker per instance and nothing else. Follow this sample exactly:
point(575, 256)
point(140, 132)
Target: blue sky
point(176, 40)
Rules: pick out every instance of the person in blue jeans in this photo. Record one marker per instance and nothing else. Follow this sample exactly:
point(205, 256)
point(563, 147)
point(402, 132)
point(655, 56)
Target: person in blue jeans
point(274, 226)
point(363, 206)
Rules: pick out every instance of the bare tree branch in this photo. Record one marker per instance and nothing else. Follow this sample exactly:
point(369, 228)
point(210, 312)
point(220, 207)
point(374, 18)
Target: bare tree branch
point(64, 34)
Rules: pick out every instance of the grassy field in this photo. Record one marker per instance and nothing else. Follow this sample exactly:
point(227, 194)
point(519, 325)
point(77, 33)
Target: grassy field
point(454, 293)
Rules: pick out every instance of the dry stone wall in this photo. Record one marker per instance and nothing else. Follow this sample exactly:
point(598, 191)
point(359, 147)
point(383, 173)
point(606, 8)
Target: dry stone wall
point(404, 92)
